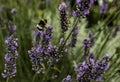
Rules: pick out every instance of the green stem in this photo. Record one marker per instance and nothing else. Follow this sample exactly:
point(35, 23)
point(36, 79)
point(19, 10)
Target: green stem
point(34, 77)
point(7, 80)
point(70, 32)
point(46, 74)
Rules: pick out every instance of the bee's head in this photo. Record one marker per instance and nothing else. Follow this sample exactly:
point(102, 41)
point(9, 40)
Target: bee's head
point(43, 22)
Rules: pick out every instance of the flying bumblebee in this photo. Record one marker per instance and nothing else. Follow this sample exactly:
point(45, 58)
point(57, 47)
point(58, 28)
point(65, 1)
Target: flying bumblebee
point(41, 25)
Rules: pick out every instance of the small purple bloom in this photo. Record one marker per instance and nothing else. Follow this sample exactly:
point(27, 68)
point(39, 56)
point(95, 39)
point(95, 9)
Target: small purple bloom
point(99, 79)
point(78, 1)
point(67, 79)
point(62, 6)
point(91, 36)
point(36, 32)
point(92, 1)
point(103, 7)
point(14, 11)
point(7, 57)
point(86, 11)
point(91, 59)
point(3, 75)
point(74, 13)
point(61, 41)
point(87, 45)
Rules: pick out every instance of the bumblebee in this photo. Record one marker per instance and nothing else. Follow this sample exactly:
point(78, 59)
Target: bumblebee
point(41, 25)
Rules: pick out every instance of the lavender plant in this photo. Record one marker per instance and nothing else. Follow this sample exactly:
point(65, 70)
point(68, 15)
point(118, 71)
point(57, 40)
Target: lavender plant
point(58, 51)
point(89, 70)
point(42, 48)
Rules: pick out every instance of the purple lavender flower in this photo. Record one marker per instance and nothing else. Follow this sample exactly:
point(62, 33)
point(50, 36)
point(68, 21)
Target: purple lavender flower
point(13, 11)
point(85, 70)
point(67, 79)
point(91, 38)
point(103, 7)
point(36, 58)
point(38, 35)
point(74, 37)
point(11, 28)
point(74, 13)
point(43, 51)
point(42, 48)
point(57, 52)
point(47, 49)
point(10, 57)
point(47, 36)
point(11, 43)
point(46, 45)
point(102, 65)
point(54, 55)
point(88, 43)
point(91, 71)
point(63, 16)
point(83, 8)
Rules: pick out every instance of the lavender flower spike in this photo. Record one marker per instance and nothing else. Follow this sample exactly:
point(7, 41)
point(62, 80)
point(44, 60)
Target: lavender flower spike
point(63, 16)
point(11, 28)
point(83, 7)
point(10, 57)
point(36, 58)
point(74, 37)
point(90, 71)
point(88, 43)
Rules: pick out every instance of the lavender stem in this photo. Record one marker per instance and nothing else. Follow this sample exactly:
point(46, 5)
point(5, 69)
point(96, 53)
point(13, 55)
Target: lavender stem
point(70, 32)
point(7, 80)
point(34, 77)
